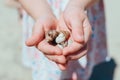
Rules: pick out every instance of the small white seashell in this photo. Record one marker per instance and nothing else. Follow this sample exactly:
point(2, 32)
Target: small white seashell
point(70, 42)
point(60, 38)
point(64, 44)
point(60, 46)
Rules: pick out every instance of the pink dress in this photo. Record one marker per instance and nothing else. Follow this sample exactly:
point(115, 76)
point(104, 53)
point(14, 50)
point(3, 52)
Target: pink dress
point(44, 69)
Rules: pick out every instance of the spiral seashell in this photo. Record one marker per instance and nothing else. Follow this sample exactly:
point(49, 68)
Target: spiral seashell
point(58, 38)
point(51, 35)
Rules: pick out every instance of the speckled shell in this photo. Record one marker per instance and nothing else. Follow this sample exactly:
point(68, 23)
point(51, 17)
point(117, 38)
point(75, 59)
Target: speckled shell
point(58, 38)
point(51, 35)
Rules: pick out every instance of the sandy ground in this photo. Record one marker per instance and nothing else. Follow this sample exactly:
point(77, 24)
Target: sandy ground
point(11, 67)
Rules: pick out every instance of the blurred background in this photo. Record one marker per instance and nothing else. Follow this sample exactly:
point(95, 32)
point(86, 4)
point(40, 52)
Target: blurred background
point(11, 67)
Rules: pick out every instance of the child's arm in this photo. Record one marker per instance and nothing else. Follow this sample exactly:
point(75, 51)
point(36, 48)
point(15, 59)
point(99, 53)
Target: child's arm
point(36, 8)
point(44, 21)
point(13, 3)
point(77, 21)
point(43, 16)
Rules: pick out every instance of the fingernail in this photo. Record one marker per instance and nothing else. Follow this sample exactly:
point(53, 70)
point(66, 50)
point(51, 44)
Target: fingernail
point(62, 67)
point(80, 38)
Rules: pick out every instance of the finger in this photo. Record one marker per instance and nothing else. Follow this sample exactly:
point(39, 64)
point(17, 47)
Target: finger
point(77, 30)
point(79, 54)
point(46, 48)
point(62, 66)
point(59, 59)
point(37, 35)
point(72, 48)
point(87, 30)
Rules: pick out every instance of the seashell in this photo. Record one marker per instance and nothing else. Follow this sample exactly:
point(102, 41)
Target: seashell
point(63, 36)
point(60, 38)
point(51, 35)
point(66, 34)
point(64, 44)
point(70, 42)
point(57, 38)
point(60, 46)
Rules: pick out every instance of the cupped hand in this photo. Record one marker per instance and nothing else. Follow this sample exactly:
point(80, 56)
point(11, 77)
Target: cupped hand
point(41, 27)
point(77, 22)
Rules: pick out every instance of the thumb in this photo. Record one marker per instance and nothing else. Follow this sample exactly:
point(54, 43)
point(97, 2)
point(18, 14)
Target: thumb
point(87, 30)
point(77, 31)
point(37, 35)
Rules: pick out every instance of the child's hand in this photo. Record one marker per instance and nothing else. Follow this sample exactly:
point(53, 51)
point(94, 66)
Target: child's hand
point(41, 27)
point(77, 22)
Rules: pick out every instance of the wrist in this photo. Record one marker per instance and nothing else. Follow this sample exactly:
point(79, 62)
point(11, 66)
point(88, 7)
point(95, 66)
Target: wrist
point(44, 13)
point(76, 3)
point(82, 4)
point(36, 8)
point(46, 18)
